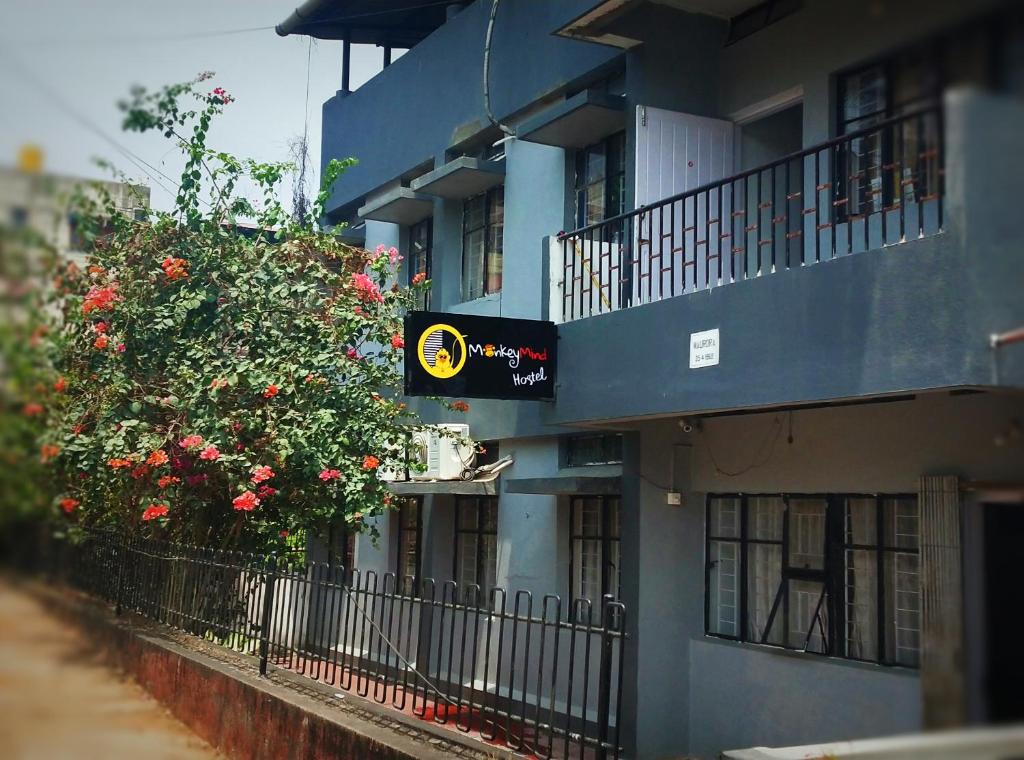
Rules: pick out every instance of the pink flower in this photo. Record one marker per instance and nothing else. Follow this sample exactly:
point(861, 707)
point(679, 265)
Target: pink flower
point(121, 348)
point(266, 491)
point(328, 475)
point(210, 454)
point(393, 255)
point(246, 502)
point(352, 354)
point(195, 480)
point(262, 473)
point(366, 289)
point(397, 342)
point(191, 441)
point(358, 311)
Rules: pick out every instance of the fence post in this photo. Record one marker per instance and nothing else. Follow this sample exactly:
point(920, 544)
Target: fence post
point(604, 689)
point(268, 610)
point(118, 593)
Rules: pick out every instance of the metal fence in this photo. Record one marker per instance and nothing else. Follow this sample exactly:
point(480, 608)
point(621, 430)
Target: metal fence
point(868, 189)
point(537, 676)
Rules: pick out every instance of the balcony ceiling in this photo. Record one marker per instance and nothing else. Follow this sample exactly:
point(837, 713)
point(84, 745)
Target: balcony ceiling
point(393, 23)
point(719, 8)
point(594, 25)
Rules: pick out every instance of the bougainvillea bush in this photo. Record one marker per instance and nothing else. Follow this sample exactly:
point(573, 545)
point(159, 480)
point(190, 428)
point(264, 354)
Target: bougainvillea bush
point(216, 385)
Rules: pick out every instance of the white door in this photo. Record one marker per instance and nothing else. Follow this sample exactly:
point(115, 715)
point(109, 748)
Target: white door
point(678, 246)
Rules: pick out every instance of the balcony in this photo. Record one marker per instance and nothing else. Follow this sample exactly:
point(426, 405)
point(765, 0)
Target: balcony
point(878, 187)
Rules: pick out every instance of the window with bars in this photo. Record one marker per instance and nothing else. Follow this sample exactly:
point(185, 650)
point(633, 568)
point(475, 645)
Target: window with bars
point(342, 547)
point(483, 232)
point(421, 237)
point(586, 450)
point(410, 531)
point(600, 180)
point(832, 574)
point(476, 542)
point(595, 536)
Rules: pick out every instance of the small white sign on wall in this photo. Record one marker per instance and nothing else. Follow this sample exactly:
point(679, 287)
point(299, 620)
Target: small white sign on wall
point(704, 349)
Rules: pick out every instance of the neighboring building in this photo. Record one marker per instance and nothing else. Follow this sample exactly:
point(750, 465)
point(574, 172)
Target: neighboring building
point(784, 435)
point(31, 198)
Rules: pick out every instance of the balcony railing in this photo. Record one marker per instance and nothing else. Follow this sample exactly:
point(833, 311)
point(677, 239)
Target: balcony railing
point(542, 677)
point(878, 186)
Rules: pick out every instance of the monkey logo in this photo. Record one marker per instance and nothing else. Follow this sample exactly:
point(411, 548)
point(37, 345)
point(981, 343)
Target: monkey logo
point(442, 351)
point(489, 349)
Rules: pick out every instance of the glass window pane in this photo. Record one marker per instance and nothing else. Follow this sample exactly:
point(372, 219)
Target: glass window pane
point(473, 265)
point(766, 514)
point(903, 608)
point(723, 588)
point(861, 600)
point(807, 533)
point(902, 523)
point(764, 578)
point(587, 569)
point(467, 561)
point(489, 547)
point(595, 163)
point(860, 521)
point(473, 212)
point(725, 518)
point(614, 524)
point(808, 616)
point(490, 515)
point(468, 514)
point(595, 196)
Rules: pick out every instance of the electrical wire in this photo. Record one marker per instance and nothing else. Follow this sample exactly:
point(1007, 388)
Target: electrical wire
point(771, 438)
point(487, 71)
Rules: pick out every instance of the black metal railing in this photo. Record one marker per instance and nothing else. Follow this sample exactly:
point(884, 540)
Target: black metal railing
point(541, 679)
point(868, 189)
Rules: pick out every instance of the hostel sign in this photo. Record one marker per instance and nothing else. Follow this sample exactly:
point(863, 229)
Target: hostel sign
point(479, 357)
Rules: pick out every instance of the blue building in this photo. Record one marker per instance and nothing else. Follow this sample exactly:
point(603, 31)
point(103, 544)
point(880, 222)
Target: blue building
point(781, 242)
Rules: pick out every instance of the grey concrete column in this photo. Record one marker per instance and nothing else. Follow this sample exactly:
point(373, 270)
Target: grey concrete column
point(942, 631)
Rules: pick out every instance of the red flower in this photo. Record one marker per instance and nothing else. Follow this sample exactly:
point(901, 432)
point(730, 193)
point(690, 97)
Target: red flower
point(266, 491)
point(100, 299)
point(32, 409)
point(174, 269)
point(101, 342)
point(366, 289)
point(121, 348)
point(47, 452)
point(397, 342)
point(167, 480)
point(77, 429)
point(118, 463)
point(262, 473)
point(370, 462)
point(140, 472)
point(157, 458)
point(60, 385)
point(247, 502)
point(154, 511)
point(327, 475)
point(68, 505)
point(285, 534)
point(191, 441)
point(271, 391)
point(210, 454)
point(418, 278)
point(352, 354)
point(460, 406)
point(100, 328)
point(218, 383)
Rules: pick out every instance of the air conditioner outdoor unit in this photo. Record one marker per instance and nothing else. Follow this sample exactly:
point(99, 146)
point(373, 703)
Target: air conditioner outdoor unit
point(444, 456)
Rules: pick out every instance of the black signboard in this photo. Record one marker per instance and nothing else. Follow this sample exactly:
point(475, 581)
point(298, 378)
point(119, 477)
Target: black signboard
point(460, 355)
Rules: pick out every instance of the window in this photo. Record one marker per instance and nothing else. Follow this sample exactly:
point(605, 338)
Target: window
point(410, 529)
point(836, 574)
point(483, 230)
point(594, 522)
point(757, 18)
point(584, 450)
point(476, 542)
point(341, 543)
point(420, 251)
point(600, 180)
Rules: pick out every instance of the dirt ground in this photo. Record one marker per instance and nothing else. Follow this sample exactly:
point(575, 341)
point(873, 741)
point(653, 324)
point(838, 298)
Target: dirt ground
point(58, 701)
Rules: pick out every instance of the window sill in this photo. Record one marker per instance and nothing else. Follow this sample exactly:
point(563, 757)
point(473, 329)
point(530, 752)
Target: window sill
point(768, 649)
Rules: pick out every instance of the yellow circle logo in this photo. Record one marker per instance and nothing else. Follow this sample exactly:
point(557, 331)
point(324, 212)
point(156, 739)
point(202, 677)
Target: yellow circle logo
point(441, 351)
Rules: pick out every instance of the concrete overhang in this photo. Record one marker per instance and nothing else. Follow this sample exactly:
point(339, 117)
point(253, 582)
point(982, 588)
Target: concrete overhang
point(576, 122)
point(463, 177)
point(354, 235)
point(400, 205)
point(567, 485)
point(457, 487)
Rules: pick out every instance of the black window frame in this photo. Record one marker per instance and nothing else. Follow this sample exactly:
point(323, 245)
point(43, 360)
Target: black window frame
point(341, 545)
point(607, 538)
point(833, 575)
point(480, 531)
point(613, 144)
point(420, 260)
point(487, 228)
point(610, 445)
point(413, 529)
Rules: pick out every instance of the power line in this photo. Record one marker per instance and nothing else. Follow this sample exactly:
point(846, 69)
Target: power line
point(61, 103)
point(137, 38)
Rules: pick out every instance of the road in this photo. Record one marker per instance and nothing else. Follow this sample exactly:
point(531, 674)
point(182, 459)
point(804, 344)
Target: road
point(58, 701)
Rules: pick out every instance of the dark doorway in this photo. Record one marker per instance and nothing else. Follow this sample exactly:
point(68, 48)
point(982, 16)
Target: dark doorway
point(772, 137)
point(1004, 601)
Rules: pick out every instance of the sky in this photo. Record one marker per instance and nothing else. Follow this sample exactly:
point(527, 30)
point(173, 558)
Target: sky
point(64, 64)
